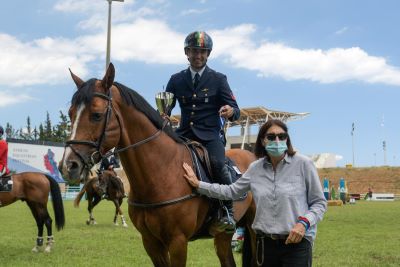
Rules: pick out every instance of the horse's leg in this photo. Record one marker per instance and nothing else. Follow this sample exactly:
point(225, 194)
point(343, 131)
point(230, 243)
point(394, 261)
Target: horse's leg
point(39, 222)
point(223, 247)
point(115, 201)
point(178, 250)
point(156, 250)
point(48, 223)
point(92, 202)
point(120, 212)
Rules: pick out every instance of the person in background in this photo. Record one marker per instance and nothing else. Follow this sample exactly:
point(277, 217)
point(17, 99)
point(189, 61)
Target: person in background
point(206, 101)
point(3, 154)
point(109, 163)
point(287, 193)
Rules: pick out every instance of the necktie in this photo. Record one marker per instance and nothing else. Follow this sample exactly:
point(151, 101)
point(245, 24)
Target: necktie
point(196, 80)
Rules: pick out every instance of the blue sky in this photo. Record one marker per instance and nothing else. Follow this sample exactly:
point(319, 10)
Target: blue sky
point(338, 60)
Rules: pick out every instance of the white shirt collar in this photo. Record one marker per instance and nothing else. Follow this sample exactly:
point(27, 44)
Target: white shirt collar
point(193, 72)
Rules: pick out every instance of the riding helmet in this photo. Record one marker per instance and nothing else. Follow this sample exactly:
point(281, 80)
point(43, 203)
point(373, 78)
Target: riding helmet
point(198, 39)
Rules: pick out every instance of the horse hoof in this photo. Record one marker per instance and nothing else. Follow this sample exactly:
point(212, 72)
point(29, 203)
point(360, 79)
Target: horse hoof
point(35, 249)
point(124, 225)
point(47, 249)
point(116, 224)
point(88, 222)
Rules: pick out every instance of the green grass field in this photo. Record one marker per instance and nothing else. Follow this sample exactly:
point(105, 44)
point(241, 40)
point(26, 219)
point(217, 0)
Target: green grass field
point(365, 234)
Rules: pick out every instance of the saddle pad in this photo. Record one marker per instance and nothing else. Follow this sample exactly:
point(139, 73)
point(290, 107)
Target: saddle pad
point(6, 184)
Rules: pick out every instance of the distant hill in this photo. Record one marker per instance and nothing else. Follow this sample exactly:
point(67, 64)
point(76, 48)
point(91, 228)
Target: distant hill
point(380, 179)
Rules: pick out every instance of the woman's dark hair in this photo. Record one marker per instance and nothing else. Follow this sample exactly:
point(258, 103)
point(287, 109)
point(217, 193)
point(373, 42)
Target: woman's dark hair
point(259, 149)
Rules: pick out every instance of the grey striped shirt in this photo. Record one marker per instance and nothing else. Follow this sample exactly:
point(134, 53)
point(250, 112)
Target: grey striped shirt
point(293, 190)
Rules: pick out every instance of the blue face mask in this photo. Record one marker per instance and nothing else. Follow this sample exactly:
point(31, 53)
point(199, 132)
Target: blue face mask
point(276, 148)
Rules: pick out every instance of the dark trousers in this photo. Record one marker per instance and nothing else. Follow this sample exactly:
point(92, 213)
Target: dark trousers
point(277, 254)
point(216, 152)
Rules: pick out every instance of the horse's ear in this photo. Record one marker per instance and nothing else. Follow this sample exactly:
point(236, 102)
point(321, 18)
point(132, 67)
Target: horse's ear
point(108, 79)
point(78, 81)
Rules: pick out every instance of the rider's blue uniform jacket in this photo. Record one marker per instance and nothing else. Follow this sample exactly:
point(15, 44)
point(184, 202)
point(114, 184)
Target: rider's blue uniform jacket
point(200, 107)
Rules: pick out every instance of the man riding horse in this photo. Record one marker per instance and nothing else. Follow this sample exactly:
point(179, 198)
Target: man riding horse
point(206, 100)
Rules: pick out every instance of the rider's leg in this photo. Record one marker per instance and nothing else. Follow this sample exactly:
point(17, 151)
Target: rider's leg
point(221, 174)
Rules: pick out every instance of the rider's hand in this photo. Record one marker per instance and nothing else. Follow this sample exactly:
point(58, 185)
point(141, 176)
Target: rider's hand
point(190, 176)
point(226, 111)
point(165, 116)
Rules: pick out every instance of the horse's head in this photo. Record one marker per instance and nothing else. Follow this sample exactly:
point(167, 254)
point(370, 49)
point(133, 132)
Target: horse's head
point(94, 125)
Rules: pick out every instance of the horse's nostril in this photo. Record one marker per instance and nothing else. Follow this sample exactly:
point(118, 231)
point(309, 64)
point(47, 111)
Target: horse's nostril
point(73, 165)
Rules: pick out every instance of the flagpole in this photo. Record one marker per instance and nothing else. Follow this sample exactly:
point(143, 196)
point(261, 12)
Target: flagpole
point(352, 140)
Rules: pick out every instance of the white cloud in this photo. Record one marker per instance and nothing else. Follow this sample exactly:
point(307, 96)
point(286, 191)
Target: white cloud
point(190, 12)
point(341, 31)
point(153, 41)
point(277, 59)
point(42, 61)
point(11, 98)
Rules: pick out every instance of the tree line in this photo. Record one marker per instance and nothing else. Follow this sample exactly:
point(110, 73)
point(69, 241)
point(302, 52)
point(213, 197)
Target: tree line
point(46, 131)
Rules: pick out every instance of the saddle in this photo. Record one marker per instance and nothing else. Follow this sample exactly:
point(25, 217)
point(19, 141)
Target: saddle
point(202, 166)
point(6, 183)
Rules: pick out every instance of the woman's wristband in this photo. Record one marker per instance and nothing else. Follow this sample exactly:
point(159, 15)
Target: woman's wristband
point(304, 221)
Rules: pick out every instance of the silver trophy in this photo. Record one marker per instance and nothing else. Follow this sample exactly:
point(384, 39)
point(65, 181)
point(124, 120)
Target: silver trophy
point(164, 101)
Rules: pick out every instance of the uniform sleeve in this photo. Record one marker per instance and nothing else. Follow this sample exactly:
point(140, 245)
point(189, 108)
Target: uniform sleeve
point(171, 89)
point(3, 149)
point(227, 98)
point(226, 192)
point(315, 196)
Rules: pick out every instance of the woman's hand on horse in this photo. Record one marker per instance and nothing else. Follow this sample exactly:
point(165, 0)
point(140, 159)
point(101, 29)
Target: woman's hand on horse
point(190, 175)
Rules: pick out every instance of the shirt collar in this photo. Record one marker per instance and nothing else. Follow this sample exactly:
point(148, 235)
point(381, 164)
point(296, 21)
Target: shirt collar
point(286, 159)
point(193, 72)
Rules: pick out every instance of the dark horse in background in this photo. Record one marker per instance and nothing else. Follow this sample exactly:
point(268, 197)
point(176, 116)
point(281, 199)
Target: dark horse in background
point(34, 188)
point(162, 205)
point(108, 185)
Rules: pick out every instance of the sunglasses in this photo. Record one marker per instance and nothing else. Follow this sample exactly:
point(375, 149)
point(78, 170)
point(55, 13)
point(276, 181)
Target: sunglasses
point(281, 136)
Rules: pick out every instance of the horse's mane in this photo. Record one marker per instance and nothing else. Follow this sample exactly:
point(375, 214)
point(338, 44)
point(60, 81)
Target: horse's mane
point(132, 98)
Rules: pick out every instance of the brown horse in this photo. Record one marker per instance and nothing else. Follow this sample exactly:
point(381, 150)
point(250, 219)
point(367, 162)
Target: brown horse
point(107, 184)
point(34, 188)
point(162, 205)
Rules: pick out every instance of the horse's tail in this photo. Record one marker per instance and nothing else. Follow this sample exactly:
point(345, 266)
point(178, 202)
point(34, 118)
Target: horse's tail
point(246, 249)
point(79, 196)
point(58, 205)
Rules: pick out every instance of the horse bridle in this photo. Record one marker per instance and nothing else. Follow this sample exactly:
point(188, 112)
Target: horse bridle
point(89, 163)
point(96, 155)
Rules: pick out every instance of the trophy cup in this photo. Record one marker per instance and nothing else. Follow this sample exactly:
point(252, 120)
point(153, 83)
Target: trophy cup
point(164, 101)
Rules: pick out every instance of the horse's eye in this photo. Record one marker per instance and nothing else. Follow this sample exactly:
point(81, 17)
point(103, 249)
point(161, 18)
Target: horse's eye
point(96, 116)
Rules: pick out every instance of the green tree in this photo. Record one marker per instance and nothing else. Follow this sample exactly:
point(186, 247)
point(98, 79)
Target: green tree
point(48, 130)
point(62, 130)
point(42, 136)
point(28, 129)
point(35, 134)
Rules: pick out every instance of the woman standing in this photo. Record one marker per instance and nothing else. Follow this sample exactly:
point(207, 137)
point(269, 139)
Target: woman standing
point(287, 193)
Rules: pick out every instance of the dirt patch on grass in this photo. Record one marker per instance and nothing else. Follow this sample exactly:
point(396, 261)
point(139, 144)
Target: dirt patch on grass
point(380, 179)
